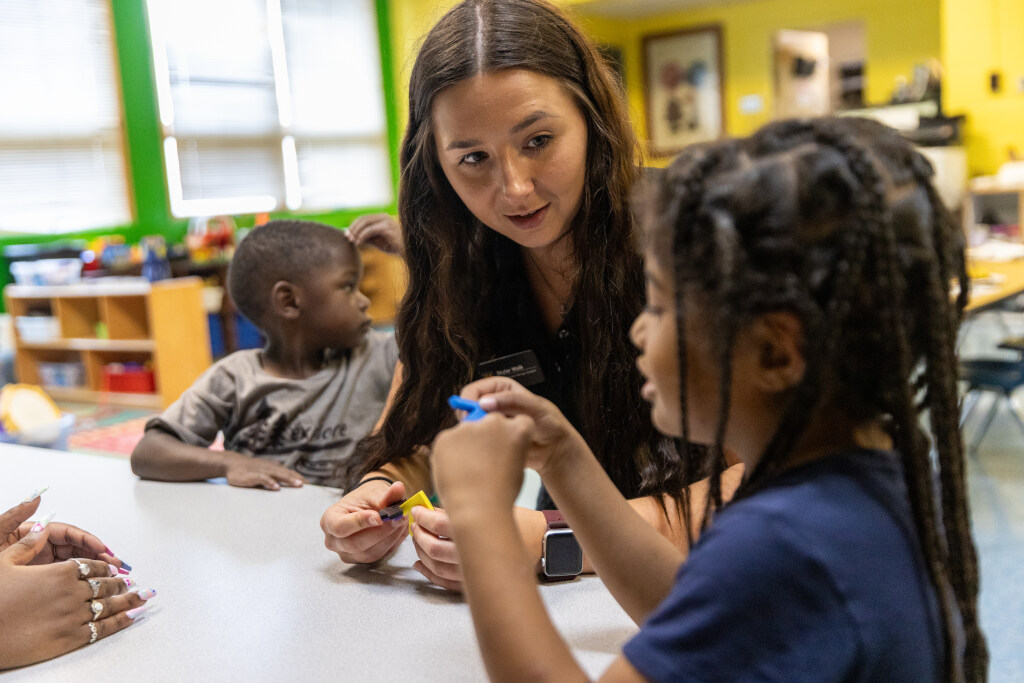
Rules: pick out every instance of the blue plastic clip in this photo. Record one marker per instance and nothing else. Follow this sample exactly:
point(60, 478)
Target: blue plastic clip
point(471, 407)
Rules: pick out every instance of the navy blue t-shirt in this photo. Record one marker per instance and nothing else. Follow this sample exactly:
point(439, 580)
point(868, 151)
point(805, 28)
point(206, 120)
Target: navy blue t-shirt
point(819, 577)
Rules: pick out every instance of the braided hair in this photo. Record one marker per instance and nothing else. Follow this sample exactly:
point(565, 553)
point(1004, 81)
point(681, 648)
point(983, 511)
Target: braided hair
point(836, 221)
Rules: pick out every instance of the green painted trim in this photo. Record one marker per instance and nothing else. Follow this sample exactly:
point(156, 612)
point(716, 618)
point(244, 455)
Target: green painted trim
point(391, 95)
point(144, 146)
point(141, 116)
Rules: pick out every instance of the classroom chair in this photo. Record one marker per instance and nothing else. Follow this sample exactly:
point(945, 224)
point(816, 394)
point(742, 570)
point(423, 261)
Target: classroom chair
point(999, 376)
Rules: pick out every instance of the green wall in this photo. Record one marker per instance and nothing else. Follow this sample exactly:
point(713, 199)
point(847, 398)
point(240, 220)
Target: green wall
point(143, 148)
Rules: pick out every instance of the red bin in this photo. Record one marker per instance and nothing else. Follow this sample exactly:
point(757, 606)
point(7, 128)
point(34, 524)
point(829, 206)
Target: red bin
point(128, 380)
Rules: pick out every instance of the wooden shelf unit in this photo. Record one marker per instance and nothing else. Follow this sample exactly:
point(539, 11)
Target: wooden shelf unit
point(162, 324)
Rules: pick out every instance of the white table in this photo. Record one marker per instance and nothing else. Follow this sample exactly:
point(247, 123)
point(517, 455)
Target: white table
point(246, 588)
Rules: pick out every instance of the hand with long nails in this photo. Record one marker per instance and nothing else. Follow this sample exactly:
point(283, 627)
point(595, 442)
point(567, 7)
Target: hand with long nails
point(63, 542)
point(46, 601)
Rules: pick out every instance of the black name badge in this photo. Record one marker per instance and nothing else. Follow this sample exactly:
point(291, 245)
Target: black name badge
point(523, 367)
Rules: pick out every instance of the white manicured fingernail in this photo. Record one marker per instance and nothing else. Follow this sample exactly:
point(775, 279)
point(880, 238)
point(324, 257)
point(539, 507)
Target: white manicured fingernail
point(135, 613)
point(43, 523)
point(147, 593)
point(35, 494)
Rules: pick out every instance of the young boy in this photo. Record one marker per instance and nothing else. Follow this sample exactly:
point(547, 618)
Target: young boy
point(293, 411)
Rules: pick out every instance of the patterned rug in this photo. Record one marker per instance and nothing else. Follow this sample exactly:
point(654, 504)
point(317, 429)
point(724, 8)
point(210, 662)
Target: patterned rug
point(106, 430)
point(116, 439)
point(111, 430)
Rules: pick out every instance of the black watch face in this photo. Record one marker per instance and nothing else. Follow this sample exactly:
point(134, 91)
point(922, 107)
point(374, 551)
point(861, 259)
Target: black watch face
point(562, 553)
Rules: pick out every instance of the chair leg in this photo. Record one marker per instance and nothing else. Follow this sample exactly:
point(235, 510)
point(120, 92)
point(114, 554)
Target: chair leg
point(1003, 325)
point(970, 402)
point(961, 334)
point(1015, 411)
point(993, 409)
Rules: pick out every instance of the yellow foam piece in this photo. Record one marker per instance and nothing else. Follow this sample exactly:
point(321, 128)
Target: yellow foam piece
point(25, 406)
point(419, 498)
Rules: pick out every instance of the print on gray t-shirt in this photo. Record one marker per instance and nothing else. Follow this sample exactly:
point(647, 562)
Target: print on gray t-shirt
point(310, 425)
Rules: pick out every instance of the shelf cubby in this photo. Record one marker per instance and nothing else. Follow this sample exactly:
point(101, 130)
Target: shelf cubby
point(29, 306)
point(27, 363)
point(125, 317)
point(160, 325)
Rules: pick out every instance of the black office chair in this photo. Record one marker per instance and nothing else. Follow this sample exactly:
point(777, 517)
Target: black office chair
point(1000, 376)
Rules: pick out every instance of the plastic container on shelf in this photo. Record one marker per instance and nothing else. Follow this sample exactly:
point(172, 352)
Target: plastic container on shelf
point(48, 435)
point(37, 328)
point(68, 374)
point(28, 416)
point(128, 378)
point(213, 299)
point(57, 271)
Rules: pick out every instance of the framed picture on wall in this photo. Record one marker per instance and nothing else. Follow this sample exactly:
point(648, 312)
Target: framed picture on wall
point(683, 80)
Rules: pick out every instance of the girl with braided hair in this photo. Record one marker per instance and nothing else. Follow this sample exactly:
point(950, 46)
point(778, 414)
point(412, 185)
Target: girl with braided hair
point(799, 314)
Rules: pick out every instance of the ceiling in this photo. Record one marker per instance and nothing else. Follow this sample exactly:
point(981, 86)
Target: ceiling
point(632, 9)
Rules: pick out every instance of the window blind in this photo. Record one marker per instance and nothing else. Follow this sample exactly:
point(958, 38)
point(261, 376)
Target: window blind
point(61, 146)
point(270, 104)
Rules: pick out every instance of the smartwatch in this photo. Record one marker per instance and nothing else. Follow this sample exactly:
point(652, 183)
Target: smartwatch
point(561, 556)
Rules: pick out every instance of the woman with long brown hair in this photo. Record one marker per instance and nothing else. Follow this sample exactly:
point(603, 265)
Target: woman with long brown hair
point(516, 169)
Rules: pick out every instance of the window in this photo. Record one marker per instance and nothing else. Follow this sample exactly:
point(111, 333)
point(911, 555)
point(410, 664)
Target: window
point(270, 105)
point(61, 145)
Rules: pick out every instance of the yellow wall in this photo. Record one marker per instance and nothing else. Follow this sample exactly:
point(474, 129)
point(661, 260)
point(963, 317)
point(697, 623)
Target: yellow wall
point(972, 38)
point(410, 21)
point(979, 37)
point(898, 35)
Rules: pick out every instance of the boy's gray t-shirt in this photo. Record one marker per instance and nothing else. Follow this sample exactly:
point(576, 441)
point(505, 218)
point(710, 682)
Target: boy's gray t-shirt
point(310, 425)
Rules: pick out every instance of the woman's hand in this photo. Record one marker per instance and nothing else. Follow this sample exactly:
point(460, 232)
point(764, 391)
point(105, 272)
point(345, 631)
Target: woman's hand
point(379, 230)
point(552, 435)
point(248, 471)
point(477, 466)
point(439, 561)
point(432, 537)
point(353, 528)
point(63, 541)
point(45, 610)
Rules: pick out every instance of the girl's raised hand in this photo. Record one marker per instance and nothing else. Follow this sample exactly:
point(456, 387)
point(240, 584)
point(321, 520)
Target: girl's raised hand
point(552, 434)
point(478, 466)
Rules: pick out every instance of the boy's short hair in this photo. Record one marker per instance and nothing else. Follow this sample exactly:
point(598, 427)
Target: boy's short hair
point(279, 250)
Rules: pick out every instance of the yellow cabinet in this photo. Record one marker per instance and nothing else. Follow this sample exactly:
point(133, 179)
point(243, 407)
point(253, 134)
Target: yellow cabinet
point(85, 327)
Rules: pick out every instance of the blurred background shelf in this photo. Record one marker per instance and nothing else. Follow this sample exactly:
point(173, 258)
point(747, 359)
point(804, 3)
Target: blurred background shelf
point(84, 395)
point(93, 345)
point(89, 336)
